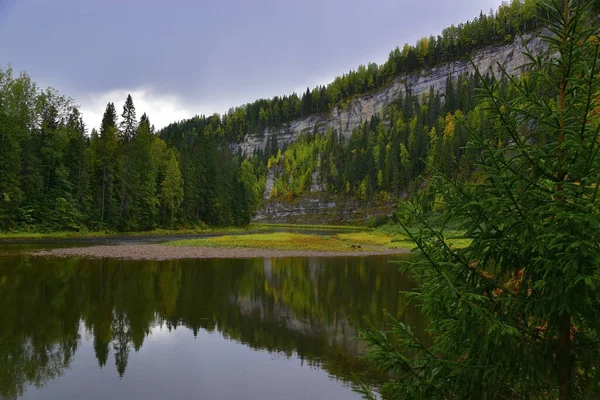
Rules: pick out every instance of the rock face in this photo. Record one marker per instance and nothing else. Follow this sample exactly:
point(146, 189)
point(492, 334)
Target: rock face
point(345, 120)
point(298, 212)
point(270, 181)
point(320, 207)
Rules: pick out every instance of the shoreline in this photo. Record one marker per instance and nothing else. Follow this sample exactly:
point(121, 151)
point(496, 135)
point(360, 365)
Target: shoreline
point(162, 253)
point(7, 237)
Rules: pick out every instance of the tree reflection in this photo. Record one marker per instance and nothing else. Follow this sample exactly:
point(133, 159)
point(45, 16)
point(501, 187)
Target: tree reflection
point(294, 306)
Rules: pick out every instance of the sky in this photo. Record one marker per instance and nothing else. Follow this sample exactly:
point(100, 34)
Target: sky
point(181, 58)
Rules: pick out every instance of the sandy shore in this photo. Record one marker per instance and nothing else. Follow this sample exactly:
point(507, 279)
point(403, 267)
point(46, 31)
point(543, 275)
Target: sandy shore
point(160, 252)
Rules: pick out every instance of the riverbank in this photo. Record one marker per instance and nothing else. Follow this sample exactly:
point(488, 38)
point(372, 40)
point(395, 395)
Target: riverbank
point(249, 245)
point(262, 242)
point(161, 252)
point(111, 234)
point(253, 227)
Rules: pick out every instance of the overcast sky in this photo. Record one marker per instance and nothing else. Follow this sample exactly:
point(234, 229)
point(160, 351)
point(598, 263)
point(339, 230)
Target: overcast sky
point(180, 58)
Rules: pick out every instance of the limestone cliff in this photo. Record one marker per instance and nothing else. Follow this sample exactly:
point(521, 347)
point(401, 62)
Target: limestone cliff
point(345, 119)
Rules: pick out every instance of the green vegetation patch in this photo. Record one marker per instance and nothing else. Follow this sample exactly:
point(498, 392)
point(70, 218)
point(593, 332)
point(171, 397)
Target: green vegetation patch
point(360, 241)
point(377, 238)
point(155, 232)
point(399, 239)
point(49, 235)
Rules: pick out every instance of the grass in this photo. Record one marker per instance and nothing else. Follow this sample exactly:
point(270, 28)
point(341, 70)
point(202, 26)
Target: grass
point(50, 235)
point(459, 243)
point(353, 241)
point(155, 232)
point(274, 241)
point(166, 232)
point(378, 238)
point(454, 237)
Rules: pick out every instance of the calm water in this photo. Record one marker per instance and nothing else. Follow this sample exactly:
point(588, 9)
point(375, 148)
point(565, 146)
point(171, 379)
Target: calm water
point(226, 329)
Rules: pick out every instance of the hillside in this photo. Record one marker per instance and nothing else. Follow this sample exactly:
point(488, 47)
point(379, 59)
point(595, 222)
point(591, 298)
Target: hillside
point(363, 142)
point(345, 119)
point(375, 198)
point(368, 138)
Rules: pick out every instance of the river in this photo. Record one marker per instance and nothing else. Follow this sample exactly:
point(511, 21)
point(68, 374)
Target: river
point(223, 329)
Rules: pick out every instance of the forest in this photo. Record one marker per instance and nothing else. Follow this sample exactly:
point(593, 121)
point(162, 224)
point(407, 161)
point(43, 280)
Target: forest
point(126, 176)
point(386, 157)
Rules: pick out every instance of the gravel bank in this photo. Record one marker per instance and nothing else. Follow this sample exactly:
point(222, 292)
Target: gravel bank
point(160, 252)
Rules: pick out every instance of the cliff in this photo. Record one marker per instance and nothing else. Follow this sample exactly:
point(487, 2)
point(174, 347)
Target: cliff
point(345, 119)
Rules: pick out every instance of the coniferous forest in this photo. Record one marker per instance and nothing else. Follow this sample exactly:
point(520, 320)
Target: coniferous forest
point(126, 176)
point(56, 176)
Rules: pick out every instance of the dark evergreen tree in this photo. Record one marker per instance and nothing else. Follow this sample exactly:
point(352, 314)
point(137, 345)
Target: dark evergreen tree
point(107, 161)
point(128, 125)
point(514, 315)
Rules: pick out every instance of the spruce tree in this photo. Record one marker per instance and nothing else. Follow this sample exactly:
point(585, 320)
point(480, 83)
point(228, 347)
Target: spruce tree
point(127, 130)
point(106, 157)
point(76, 160)
point(515, 314)
point(145, 165)
point(128, 125)
point(109, 118)
point(450, 95)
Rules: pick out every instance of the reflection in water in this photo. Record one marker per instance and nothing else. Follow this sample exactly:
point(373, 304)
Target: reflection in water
point(299, 307)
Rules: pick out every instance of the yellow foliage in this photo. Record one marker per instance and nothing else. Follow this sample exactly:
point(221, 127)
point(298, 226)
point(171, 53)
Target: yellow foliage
point(449, 129)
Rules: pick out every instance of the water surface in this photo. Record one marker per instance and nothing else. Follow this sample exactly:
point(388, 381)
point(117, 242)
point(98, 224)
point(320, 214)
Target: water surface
point(227, 329)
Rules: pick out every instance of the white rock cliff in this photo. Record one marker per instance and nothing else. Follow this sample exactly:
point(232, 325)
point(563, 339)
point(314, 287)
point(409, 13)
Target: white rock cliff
point(345, 120)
